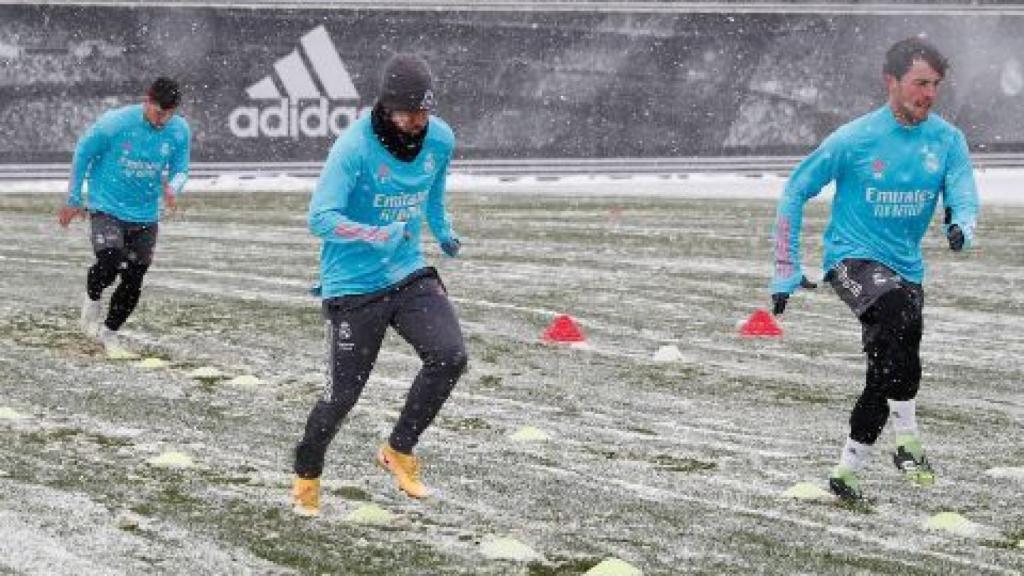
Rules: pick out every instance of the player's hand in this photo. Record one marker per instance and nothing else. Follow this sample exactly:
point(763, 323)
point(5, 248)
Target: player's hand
point(956, 238)
point(69, 213)
point(170, 202)
point(780, 299)
point(451, 247)
point(387, 238)
point(956, 235)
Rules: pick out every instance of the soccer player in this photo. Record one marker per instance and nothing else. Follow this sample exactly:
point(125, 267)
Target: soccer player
point(383, 175)
point(132, 156)
point(890, 167)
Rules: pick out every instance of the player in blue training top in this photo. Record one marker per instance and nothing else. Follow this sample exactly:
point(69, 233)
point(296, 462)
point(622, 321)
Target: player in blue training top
point(131, 157)
point(890, 168)
point(383, 175)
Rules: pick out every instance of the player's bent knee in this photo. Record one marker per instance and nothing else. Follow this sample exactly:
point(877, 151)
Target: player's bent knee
point(134, 273)
point(455, 360)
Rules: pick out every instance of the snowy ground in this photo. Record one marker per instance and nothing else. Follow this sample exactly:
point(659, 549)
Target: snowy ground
point(674, 467)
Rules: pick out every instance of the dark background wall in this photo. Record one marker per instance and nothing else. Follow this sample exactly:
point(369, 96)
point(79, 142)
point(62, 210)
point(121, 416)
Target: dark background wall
point(513, 85)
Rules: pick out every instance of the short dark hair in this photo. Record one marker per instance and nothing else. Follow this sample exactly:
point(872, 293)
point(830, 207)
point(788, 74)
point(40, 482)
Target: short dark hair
point(165, 92)
point(902, 54)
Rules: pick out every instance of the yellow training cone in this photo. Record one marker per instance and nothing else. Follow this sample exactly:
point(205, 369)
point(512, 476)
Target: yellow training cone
point(206, 373)
point(10, 414)
point(172, 460)
point(529, 434)
point(614, 567)
point(807, 491)
point(370, 514)
point(245, 380)
point(151, 363)
point(953, 523)
point(497, 548)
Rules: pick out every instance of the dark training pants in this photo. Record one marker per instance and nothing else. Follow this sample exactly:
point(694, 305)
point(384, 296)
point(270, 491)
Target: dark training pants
point(121, 248)
point(890, 311)
point(418, 308)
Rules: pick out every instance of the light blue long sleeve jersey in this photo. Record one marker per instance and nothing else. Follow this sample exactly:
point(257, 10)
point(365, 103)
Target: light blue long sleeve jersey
point(368, 207)
point(126, 161)
point(888, 180)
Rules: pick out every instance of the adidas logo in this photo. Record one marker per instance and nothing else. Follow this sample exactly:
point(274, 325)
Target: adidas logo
point(312, 96)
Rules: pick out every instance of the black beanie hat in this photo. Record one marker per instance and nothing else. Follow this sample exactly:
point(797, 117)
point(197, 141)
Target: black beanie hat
point(406, 84)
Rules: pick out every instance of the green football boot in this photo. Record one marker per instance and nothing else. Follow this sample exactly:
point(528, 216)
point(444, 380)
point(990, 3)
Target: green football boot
point(910, 459)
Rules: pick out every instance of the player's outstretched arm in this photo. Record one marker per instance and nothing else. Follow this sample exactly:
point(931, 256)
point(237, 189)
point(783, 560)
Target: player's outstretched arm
point(960, 197)
point(806, 182)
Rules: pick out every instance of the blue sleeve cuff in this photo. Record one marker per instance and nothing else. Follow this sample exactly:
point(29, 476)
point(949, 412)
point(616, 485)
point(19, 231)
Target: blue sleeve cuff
point(787, 285)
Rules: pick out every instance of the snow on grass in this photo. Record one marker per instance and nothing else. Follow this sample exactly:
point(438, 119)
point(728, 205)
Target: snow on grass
point(668, 465)
point(995, 185)
point(1007, 472)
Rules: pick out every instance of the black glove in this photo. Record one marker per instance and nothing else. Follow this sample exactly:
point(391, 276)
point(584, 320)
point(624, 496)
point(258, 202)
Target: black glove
point(451, 247)
point(956, 238)
point(779, 299)
point(953, 233)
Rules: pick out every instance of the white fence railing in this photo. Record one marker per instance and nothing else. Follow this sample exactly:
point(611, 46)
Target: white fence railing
point(553, 168)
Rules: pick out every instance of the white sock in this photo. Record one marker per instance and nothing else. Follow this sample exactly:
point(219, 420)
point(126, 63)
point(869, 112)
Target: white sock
point(903, 415)
point(855, 455)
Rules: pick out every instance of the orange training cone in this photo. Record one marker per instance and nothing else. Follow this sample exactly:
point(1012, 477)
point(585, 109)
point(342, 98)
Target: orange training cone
point(760, 323)
point(563, 329)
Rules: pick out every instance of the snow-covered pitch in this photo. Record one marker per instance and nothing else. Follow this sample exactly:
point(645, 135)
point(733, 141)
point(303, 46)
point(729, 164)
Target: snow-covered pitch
point(548, 459)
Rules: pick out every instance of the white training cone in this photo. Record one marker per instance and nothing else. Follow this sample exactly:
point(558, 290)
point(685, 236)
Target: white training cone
point(497, 548)
point(668, 353)
point(127, 520)
point(614, 567)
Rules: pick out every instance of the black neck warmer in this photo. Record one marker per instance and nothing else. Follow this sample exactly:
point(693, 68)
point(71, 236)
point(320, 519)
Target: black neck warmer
point(403, 146)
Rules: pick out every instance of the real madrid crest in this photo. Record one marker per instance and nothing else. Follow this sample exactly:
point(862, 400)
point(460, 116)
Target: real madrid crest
point(428, 163)
point(344, 331)
point(428, 103)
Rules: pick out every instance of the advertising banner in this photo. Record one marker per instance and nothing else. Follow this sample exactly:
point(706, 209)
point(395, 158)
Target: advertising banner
point(278, 85)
